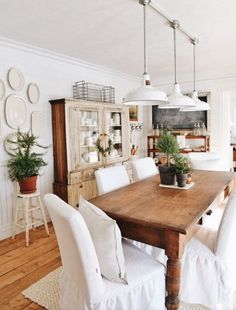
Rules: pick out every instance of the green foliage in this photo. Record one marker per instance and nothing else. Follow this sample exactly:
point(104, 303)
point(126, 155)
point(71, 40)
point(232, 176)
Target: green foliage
point(168, 145)
point(24, 162)
point(105, 151)
point(181, 164)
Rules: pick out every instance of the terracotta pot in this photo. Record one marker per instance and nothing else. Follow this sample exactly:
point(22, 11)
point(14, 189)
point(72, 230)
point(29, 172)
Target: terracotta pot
point(167, 175)
point(28, 186)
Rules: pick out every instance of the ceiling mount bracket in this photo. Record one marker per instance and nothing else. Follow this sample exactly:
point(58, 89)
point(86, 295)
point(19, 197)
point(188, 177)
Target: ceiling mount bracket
point(156, 8)
point(144, 2)
point(194, 41)
point(174, 24)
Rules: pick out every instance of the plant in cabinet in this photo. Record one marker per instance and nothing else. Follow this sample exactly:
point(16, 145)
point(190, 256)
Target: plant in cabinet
point(168, 145)
point(25, 163)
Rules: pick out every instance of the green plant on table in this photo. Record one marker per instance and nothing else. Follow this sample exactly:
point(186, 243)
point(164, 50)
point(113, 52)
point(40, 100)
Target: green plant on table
point(168, 145)
point(181, 164)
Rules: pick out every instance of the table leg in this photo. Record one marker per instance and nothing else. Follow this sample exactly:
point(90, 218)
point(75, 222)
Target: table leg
point(173, 284)
point(174, 248)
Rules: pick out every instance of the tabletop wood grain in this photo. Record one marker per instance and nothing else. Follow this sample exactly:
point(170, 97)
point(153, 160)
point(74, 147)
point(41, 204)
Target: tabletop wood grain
point(147, 203)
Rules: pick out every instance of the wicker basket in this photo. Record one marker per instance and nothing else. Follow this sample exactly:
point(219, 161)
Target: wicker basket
point(93, 92)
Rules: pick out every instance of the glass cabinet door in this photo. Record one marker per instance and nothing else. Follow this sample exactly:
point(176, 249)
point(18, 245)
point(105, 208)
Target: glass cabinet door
point(114, 130)
point(89, 131)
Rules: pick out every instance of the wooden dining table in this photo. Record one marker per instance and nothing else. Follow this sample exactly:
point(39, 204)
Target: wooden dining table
point(166, 217)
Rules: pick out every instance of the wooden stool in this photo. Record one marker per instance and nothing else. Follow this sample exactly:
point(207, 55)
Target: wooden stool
point(28, 220)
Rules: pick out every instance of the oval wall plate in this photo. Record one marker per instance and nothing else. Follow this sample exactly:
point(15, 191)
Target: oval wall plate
point(2, 89)
point(33, 93)
point(10, 147)
point(15, 111)
point(15, 79)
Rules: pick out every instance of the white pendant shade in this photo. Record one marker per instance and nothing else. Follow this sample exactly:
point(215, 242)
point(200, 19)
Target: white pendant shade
point(200, 105)
point(146, 95)
point(177, 100)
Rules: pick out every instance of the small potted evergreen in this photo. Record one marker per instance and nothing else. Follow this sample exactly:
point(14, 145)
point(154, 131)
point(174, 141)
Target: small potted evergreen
point(25, 163)
point(168, 145)
point(182, 168)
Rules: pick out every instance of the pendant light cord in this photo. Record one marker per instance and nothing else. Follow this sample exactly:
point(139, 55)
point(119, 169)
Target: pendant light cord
point(194, 42)
point(175, 58)
point(174, 24)
point(194, 67)
point(144, 39)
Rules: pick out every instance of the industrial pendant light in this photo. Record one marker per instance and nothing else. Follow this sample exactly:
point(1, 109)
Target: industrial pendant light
point(200, 105)
point(177, 99)
point(146, 94)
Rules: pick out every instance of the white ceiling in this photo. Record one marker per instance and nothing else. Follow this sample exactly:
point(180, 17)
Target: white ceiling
point(109, 33)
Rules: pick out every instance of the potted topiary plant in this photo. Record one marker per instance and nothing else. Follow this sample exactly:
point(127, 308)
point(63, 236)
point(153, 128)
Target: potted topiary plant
point(24, 164)
point(182, 168)
point(168, 145)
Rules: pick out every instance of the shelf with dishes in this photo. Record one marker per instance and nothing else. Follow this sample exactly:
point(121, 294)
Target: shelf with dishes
point(87, 145)
point(187, 143)
point(93, 126)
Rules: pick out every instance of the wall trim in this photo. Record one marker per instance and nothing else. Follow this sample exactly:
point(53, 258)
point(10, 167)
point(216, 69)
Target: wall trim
point(27, 48)
point(5, 232)
point(17, 45)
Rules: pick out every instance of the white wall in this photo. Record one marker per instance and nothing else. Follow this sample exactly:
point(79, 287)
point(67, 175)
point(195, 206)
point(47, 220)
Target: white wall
point(55, 76)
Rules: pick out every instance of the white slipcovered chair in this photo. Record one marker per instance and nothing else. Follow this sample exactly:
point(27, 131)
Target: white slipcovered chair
point(111, 178)
point(115, 177)
point(143, 168)
point(208, 272)
point(205, 161)
point(81, 283)
point(212, 162)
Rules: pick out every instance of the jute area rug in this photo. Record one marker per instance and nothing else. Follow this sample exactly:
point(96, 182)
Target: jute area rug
point(45, 293)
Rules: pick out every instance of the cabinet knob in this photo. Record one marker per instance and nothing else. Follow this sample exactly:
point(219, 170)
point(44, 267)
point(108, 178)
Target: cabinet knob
point(81, 186)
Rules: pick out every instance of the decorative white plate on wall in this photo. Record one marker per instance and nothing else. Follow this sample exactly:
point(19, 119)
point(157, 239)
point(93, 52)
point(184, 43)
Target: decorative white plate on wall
point(37, 123)
point(9, 146)
point(15, 111)
point(2, 89)
point(33, 93)
point(15, 79)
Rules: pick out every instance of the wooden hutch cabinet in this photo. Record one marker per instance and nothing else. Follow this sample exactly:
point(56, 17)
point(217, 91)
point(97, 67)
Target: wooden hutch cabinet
point(76, 126)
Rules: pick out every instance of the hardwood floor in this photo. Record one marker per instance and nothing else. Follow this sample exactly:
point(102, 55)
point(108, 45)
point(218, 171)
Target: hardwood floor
point(21, 266)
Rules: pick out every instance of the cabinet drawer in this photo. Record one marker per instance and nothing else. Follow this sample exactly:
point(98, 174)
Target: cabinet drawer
point(75, 177)
point(81, 176)
point(87, 175)
point(87, 189)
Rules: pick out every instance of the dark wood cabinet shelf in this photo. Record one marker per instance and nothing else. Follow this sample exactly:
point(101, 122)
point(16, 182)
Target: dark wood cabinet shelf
point(152, 151)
